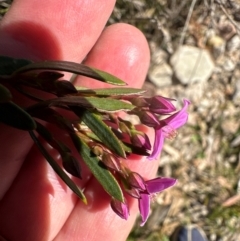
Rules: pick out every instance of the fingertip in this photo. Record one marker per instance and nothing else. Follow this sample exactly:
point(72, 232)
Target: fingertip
point(121, 50)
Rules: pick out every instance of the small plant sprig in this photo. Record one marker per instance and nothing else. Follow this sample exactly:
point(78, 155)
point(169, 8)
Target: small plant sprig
point(103, 139)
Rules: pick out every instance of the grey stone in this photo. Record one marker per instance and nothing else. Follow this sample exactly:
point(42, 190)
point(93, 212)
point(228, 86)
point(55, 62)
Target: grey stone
point(229, 65)
point(161, 75)
point(233, 44)
point(192, 64)
point(236, 96)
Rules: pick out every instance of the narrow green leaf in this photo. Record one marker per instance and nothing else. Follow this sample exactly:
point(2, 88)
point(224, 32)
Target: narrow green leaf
point(100, 104)
point(9, 65)
point(102, 131)
point(75, 68)
point(5, 94)
point(108, 78)
point(70, 164)
point(58, 169)
point(111, 91)
point(105, 178)
point(13, 115)
point(109, 105)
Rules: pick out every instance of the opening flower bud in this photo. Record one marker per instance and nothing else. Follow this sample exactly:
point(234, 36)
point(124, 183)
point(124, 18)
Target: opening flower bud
point(120, 208)
point(111, 161)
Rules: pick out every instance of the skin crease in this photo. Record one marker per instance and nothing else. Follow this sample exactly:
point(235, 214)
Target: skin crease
point(34, 203)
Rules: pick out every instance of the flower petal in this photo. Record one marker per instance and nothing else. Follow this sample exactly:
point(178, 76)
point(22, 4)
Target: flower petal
point(136, 180)
point(159, 184)
point(158, 144)
point(144, 207)
point(179, 118)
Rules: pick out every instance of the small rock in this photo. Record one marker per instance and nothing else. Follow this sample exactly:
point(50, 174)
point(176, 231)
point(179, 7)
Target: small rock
point(192, 64)
point(229, 65)
point(229, 126)
point(161, 75)
point(235, 143)
point(233, 44)
point(236, 96)
point(159, 56)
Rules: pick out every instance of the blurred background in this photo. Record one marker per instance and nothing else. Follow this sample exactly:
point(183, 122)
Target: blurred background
point(195, 49)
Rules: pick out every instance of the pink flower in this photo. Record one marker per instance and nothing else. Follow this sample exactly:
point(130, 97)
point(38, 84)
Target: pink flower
point(167, 128)
point(153, 186)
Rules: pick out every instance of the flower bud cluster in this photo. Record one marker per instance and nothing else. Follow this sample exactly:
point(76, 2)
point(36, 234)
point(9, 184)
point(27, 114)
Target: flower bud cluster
point(150, 112)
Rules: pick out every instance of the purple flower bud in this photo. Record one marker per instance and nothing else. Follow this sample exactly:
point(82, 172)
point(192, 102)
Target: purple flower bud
point(148, 118)
point(161, 105)
point(135, 180)
point(133, 192)
point(139, 102)
point(120, 208)
point(111, 161)
point(140, 139)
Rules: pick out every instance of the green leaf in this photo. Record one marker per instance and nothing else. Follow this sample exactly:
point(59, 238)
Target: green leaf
point(9, 65)
point(13, 115)
point(104, 177)
point(69, 182)
point(111, 91)
point(5, 94)
point(100, 104)
point(75, 68)
point(70, 164)
point(102, 131)
point(109, 78)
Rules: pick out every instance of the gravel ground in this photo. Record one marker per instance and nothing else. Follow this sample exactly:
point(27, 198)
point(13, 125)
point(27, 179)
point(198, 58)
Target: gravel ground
point(205, 156)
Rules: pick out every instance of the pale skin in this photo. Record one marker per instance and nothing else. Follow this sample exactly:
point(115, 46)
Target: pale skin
point(34, 202)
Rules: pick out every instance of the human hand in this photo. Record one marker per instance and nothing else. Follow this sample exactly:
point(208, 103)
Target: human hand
point(35, 204)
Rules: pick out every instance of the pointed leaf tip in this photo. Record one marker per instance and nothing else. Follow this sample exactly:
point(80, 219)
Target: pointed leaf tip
point(71, 165)
point(75, 68)
point(68, 181)
point(108, 78)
